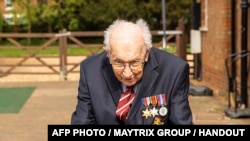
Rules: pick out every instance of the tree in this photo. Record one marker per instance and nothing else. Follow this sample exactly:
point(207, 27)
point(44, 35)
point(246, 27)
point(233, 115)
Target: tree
point(75, 15)
point(26, 14)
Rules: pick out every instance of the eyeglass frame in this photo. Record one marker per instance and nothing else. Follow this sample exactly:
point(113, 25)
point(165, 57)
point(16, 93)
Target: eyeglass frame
point(123, 64)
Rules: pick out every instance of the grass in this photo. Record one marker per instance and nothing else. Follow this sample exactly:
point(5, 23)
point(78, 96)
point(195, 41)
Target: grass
point(7, 48)
point(50, 51)
point(19, 52)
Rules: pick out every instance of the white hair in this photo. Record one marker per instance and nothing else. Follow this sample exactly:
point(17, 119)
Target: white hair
point(147, 37)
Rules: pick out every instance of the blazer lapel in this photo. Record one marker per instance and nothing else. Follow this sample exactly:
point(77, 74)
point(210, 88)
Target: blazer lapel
point(113, 84)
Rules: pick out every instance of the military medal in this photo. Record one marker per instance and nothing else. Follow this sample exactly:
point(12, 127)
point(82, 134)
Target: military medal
point(162, 102)
point(163, 111)
point(158, 121)
point(154, 111)
point(145, 102)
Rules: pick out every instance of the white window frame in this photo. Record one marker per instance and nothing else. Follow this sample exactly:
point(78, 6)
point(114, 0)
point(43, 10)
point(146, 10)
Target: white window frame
point(8, 5)
point(205, 26)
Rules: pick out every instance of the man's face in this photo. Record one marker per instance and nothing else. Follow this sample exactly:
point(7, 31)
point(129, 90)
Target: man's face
point(127, 55)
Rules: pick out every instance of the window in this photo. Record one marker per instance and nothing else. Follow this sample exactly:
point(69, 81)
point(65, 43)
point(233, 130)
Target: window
point(8, 4)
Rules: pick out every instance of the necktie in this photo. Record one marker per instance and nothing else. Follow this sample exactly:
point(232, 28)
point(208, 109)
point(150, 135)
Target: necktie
point(125, 101)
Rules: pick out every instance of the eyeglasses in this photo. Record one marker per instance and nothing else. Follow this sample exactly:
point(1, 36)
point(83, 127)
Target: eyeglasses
point(135, 65)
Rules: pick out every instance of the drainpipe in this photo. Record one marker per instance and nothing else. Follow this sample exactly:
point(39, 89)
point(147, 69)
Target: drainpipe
point(244, 97)
point(196, 12)
point(233, 45)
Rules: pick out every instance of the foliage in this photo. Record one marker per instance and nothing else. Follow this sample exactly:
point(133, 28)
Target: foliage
point(25, 14)
point(178, 11)
point(79, 15)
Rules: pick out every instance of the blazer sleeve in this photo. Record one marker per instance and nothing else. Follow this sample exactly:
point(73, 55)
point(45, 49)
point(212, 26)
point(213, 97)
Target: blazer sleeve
point(180, 109)
point(83, 113)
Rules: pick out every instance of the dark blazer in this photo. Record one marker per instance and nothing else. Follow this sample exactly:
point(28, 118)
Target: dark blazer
point(99, 91)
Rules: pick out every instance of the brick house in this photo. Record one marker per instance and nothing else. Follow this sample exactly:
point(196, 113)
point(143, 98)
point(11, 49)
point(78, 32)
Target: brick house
point(222, 33)
point(6, 6)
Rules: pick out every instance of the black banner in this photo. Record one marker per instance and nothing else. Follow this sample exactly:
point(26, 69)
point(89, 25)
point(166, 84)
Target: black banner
point(77, 132)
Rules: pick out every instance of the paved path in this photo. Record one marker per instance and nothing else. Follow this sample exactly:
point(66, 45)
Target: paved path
point(53, 102)
point(50, 103)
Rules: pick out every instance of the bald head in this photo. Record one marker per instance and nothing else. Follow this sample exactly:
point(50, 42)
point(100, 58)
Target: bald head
point(126, 30)
point(126, 33)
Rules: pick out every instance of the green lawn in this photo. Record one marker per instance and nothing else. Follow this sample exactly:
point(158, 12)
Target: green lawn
point(48, 51)
point(18, 52)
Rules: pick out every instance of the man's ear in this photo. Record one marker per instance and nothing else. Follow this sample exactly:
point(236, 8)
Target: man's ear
point(147, 55)
point(105, 48)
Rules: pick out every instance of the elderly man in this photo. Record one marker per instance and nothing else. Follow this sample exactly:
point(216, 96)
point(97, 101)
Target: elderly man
point(131, 82)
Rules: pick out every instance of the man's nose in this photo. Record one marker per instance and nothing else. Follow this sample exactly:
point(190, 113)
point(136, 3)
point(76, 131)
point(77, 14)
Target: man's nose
point(127, 71)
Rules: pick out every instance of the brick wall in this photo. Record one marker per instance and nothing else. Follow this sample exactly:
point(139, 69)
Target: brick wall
point(216, 43)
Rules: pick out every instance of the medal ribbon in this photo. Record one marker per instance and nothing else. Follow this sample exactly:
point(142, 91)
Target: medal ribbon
point(145, 102)
point(153, 100)
point(162, 100)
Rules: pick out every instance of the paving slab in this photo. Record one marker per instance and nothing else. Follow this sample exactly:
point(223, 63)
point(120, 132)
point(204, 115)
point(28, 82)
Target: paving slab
point(52, 102)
